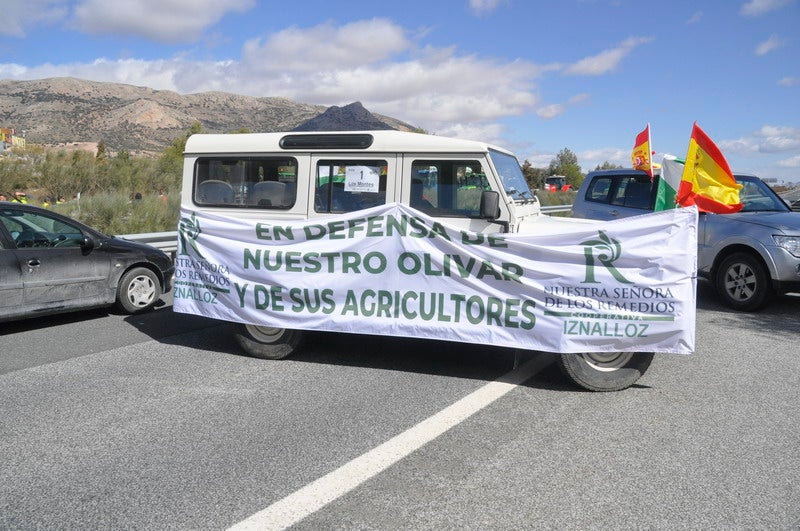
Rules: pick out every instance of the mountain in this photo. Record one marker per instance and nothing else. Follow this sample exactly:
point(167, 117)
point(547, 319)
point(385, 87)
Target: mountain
point(353, 117)
point(69, 110)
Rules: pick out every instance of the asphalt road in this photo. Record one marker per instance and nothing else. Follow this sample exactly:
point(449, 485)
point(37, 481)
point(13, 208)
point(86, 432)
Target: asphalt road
point(157, 422)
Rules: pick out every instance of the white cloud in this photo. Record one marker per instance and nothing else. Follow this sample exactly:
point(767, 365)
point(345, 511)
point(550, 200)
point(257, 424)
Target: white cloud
point(789, 82)
point(776, 139)
point(173, 21)
point(326, 46)
point(485, 132)
point(588, 159)
point(480, 7)
point(607, 60)
point(592, 158)
point(434, 88)
point(753, 8)
point(694, 19)
point(767, 140)
point(161, 74)
point(579, 98)
point(792, 162)
point(773, 43)
point(551, 111)
point(739, 146)
point(19, 17)
point(539, 160)
point(13, 71)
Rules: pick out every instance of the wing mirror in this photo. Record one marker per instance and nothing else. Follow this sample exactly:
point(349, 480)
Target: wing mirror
point(87, 244)
point(490, 205)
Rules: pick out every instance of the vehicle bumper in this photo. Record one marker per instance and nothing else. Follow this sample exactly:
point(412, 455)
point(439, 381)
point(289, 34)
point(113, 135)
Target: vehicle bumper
point(169, 275)
point(787, 271)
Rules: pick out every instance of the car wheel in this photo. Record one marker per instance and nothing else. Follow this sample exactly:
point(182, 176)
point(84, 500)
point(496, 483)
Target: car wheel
point(138, 290)
point(267, 342)
point(743, 282)
point(605, 371)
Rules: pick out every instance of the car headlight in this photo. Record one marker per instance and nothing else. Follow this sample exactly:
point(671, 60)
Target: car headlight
point(790, 243)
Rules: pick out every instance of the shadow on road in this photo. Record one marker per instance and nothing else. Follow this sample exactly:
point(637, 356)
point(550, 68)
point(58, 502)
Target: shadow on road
point(426, 356)
point(38, 323)
point(423, 356)
point(69, 318)
point(780, 317)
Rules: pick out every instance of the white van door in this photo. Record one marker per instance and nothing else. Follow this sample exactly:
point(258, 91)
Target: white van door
point(449, 188)
point(346, 182)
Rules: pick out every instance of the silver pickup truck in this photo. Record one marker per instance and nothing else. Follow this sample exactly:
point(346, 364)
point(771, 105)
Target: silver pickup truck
point(749, 256)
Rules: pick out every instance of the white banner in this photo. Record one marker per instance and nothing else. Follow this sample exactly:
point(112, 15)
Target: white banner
point(626, 285)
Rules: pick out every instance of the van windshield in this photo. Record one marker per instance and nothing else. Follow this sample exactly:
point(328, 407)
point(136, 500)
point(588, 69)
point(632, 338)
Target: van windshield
point(510, 173)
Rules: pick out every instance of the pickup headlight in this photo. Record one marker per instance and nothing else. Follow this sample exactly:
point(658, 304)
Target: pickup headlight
point(790, 243)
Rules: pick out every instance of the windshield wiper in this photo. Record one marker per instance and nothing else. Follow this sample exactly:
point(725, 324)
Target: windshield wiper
point(524, 195)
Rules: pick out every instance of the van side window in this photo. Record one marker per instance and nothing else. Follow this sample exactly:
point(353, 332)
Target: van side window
point(447, 187)
point(248, 182)
point(632, 192)
point(349, 185)
point(599, 189)
point(627, 191)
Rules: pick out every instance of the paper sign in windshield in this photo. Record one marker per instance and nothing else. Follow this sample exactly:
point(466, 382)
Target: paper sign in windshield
point(362, 179)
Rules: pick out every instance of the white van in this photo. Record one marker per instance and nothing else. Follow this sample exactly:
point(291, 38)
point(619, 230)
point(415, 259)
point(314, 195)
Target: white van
point(281, 181)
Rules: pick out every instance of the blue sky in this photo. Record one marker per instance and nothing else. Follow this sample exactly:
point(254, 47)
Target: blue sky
point(533, 76)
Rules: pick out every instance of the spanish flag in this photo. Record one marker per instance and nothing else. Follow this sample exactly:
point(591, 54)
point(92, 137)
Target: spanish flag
point(707, 179)
point(640, 156)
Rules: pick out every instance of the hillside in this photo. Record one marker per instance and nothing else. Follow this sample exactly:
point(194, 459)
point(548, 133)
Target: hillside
point(65, 110)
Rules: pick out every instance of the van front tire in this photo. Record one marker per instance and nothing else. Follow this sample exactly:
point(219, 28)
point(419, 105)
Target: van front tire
point(605, 371)
point(267, 342)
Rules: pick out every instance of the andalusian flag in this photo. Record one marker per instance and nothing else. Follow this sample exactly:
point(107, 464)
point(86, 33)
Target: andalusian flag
point(668, 183)
point(640, 156)
point(707, 179)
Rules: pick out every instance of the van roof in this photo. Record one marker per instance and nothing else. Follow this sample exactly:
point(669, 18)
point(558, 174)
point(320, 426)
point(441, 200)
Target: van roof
point(383, 141)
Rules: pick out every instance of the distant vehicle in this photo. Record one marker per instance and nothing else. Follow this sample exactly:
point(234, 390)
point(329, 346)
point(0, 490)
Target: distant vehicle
point(51, 264)
point(749, 256)
point(557, 183)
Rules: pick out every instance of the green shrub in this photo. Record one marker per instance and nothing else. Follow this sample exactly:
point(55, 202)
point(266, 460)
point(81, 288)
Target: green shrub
point(556, 198)
point(117, 213)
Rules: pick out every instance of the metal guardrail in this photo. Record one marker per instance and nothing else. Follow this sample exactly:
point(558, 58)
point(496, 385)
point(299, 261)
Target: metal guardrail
point(556, 208)
point(168, 241)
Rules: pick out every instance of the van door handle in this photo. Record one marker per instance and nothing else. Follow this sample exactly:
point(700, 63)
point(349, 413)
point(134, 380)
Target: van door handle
point(615, 213)
point(34, 262)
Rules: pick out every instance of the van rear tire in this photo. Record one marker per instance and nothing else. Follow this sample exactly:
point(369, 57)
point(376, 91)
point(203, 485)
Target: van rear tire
point(605, 371)
point(267, 342)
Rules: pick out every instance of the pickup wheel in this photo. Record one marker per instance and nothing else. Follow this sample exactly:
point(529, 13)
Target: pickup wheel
point(267, 342)
point(605, 371)
point(743, 283)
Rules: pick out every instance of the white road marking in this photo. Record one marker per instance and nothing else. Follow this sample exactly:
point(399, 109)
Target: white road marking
point(316, 495)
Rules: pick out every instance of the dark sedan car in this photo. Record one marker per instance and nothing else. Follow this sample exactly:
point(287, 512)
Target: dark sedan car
point(50, 263)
